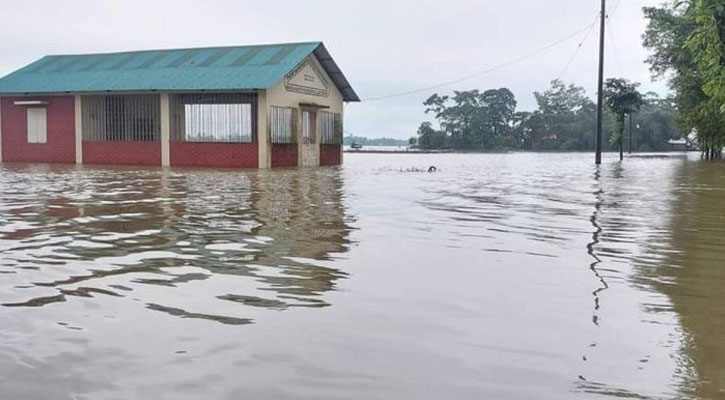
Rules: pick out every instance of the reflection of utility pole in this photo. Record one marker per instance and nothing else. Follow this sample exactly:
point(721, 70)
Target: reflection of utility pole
point(592, 246)
point(600, 94)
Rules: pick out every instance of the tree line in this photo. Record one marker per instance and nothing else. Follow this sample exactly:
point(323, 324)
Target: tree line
point(564, 120)
point(687, 41)
point(365, 141)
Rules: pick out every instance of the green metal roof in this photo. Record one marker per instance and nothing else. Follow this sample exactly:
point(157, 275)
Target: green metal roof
point(217, 68)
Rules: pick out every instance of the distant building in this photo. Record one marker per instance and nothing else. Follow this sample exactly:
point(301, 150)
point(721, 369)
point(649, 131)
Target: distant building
point(239, 107)
point(679, 144)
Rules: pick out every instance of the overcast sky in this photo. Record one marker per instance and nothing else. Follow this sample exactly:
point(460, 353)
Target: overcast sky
point(384, 47)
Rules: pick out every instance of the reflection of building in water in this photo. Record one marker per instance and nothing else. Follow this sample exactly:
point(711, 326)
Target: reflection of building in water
point(264, 234)
point(302, 213)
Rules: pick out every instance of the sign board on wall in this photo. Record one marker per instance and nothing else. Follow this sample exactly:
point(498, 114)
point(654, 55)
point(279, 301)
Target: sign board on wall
point(307, 79)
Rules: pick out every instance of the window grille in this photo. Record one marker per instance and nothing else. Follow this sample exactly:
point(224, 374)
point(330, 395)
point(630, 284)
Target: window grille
point(121, 118)
point(283, 124)
point(224, 117)
point(331, 128)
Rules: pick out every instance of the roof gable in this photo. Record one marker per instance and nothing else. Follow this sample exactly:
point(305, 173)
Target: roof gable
point(218, 68)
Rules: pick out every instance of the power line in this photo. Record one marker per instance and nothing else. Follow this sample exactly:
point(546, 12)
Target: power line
point(613, 8)
point(485, 72)
point(614, 47)
point(578, 49)
point(610, 12)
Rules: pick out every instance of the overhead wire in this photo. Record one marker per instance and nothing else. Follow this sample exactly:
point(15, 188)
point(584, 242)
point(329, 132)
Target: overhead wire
point(614, 48)
point(610, 12)
point(487, 71)
point(613, 8)
point(588, 29)
point(578, 49)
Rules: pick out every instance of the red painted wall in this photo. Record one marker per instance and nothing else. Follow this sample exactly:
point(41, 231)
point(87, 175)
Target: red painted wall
point(122, 153)
point(60, 146)
point(330, 154)
point(216, 155)
point(284, 155)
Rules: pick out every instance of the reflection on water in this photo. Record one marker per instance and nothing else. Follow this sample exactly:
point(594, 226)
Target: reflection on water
point(592, 246)
point(690, 269)
point(500, 276)
point(94, 232)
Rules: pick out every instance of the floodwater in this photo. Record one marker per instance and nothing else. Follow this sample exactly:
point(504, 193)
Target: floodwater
point(521, 276)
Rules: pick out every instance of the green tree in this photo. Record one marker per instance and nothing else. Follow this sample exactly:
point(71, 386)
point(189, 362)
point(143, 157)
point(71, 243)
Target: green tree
point(707, 44)
point(685, 39)
point(522, 130)
point(429, 138)
point(656, 123)
point(622, 99)
point(473, 119)
point(564, 119)
point(499, 109)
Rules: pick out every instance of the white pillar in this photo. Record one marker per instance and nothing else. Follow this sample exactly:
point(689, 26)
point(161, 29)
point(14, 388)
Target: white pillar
point(165, 130)
point(79, 129)
point(1, 130)
point(342, 133)
point(318, 137)
point(265, 149)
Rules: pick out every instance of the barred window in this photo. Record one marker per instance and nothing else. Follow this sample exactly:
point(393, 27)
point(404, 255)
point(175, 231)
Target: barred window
point(283, 124)
point(218, 122)
point(331, 128)
point(121, 118)
point(229, 118)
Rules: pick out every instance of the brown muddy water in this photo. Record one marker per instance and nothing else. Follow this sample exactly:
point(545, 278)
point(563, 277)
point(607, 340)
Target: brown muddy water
point(517, 276)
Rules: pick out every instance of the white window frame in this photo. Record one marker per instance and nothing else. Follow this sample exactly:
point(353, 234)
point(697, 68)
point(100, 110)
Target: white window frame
point(37, 118)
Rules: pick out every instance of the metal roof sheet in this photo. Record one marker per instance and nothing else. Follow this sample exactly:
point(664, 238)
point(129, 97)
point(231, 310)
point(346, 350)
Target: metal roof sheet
point(216, 68)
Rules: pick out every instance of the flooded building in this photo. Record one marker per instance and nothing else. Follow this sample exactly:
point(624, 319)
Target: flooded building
point(681, 144)
point(237, 107)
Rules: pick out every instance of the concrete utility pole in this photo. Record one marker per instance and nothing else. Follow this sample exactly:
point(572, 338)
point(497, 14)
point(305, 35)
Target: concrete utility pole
point(600, 93)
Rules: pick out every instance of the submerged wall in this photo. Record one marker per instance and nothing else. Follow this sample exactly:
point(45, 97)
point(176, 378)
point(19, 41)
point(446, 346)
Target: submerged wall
point(284, 155)
point(60, 144)
point(122, 153)
point(66, 143)
point(217, 155)
point(330, 154)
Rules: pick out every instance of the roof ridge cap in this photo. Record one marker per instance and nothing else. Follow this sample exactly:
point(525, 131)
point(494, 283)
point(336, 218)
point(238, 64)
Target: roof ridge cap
point(317, 43)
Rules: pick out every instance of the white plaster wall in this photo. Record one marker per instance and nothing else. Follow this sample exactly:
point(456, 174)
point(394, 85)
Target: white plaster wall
point(279, 96)
point(1, 131)
point(79, 128)
point(263, 141)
